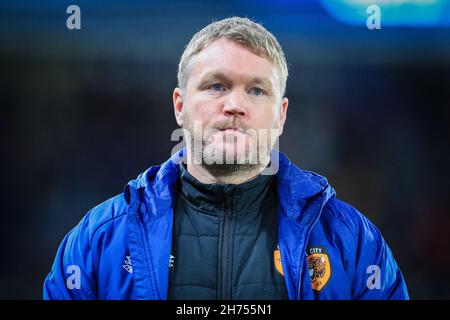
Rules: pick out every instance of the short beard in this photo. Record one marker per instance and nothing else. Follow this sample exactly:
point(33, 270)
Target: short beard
point(205, 157)
point(228, 168)
point(223, 169)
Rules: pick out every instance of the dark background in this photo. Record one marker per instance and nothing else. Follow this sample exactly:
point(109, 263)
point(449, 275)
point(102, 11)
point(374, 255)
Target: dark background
point(83, 112)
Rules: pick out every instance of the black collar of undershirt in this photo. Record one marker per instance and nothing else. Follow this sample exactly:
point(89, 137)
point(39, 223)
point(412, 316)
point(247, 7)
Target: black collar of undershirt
point(245, 197)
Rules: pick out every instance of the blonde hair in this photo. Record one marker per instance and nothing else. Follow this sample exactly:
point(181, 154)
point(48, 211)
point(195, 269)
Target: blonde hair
point(243, 31)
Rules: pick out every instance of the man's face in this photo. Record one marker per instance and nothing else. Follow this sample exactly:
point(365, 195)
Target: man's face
point(229, 91)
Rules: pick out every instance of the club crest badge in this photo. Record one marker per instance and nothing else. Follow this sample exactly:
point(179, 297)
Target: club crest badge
point(319, 267)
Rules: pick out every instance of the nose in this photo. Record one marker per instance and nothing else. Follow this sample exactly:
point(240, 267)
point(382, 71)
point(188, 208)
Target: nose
point(234, 105)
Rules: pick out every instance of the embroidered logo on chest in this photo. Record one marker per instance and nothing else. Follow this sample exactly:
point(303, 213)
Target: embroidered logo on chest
point(319, 267)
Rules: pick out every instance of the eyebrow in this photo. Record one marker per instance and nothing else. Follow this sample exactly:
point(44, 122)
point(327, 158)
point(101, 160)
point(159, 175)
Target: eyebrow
point(212, 76)
point(261, 81)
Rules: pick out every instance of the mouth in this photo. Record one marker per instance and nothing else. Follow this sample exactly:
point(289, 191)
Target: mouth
point(232, 129)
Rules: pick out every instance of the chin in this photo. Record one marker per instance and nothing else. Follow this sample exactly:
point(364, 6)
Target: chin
point(231, 154)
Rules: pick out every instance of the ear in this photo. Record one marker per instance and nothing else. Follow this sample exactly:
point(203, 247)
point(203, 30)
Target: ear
point(283, 113)
point(177, 97)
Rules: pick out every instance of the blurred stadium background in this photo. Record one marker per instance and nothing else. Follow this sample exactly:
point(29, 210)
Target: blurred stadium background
point(83, 112)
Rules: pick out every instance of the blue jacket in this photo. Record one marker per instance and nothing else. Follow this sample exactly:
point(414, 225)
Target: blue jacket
point(121, 248)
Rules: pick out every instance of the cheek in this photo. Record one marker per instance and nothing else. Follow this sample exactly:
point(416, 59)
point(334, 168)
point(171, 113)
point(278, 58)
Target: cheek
point(264, 120)
point(201, 110)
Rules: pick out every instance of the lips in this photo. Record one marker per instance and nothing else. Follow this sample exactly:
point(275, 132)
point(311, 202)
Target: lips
point(232, 129)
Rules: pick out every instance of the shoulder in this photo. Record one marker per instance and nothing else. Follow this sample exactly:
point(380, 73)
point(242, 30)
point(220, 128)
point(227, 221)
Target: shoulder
point(101, 217)
point(348, 222)
point(352, 233)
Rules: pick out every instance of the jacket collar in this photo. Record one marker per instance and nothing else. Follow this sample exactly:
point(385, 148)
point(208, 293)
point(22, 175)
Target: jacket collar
point(296, 188)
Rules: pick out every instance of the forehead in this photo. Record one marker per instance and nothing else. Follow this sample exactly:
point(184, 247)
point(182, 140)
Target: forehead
point(233, 60)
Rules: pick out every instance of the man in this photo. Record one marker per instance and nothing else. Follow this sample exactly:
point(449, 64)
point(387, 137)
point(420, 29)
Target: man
point(214, 228)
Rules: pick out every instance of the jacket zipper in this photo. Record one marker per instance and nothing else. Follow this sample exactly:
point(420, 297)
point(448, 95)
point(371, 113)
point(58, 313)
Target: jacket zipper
point(303, 252)
point(226, 252)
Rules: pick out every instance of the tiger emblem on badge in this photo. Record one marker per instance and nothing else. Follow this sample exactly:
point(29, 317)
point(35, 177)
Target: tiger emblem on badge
point(319, 267)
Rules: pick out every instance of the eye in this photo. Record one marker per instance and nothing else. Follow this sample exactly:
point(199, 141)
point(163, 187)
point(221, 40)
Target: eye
point(216, 87)
point(257, 91)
